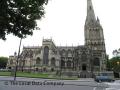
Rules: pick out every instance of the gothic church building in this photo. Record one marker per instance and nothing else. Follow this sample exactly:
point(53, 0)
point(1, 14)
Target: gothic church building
point(89, 57)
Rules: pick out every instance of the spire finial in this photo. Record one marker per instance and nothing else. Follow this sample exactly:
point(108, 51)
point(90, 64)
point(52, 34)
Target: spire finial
point(90, 12)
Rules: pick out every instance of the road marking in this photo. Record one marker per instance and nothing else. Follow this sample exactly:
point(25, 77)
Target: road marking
point(94, 88)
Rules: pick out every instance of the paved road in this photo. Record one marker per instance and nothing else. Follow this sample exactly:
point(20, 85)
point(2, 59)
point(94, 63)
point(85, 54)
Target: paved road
point(7, 83)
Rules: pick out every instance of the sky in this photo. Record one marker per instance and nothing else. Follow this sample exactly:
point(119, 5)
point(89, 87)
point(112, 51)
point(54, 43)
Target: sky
point(64, 23)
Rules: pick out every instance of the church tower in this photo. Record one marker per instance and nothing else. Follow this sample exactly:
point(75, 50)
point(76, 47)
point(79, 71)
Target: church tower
point(94, 39)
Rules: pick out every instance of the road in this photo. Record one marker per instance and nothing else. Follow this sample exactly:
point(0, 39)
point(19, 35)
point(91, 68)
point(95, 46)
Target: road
point(7, 83)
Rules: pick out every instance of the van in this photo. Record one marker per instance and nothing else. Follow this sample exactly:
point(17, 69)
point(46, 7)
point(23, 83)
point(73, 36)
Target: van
point(104, 77)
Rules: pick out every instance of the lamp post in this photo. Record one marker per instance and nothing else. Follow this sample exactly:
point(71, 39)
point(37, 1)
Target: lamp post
point(118, 63)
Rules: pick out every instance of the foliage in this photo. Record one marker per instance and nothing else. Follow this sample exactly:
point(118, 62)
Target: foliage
point(116, 52)
point(3, 62)
point(19, 16)
point(115, 63)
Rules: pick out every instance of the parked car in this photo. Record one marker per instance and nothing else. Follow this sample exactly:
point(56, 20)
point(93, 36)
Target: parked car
point(104, 77)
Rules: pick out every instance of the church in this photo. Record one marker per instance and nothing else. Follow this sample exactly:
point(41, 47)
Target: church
point(81, 59)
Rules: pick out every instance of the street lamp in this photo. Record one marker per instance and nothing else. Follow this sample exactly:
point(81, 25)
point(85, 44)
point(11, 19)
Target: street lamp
point(118, 63)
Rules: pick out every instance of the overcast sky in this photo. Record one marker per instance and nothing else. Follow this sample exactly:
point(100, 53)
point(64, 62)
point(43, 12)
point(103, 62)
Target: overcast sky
point(64, 23)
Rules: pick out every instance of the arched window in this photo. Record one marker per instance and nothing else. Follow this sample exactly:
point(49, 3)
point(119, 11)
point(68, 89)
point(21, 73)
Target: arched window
point(84, 56)
point(63, 52)
point(84, 67)
point(69, 52)
point(11, 61)
point(30, 53)
point(68, 64)
point(38, 61)
point(96, 62)
point(53, 62)
point(45, 55)
point(62, 63)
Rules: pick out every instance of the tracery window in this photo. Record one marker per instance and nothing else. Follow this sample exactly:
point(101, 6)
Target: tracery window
point(96, 62)
point(38, 60)
point(45, 55)
point(53, 61)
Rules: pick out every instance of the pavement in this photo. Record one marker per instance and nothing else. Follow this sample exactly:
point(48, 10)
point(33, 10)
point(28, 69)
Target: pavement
point(22, 83)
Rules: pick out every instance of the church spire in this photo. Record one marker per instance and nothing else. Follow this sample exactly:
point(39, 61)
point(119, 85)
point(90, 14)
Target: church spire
point(90, 12)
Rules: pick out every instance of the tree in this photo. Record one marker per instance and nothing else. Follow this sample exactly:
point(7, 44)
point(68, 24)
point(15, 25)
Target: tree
point(115, 64)
point(19, 16)
point(116, 52)
point(3, 62)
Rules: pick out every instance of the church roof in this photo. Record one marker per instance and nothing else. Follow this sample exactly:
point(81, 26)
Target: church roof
point(31, 47)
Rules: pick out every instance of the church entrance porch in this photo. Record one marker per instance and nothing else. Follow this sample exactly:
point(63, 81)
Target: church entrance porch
point(84, 67)
point(86, 74)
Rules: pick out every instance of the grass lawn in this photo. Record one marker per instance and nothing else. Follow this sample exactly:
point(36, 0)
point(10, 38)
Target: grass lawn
point(32, 75)
point(37, 75)
point(5, 73)
point(25, 74)
point(64, 78)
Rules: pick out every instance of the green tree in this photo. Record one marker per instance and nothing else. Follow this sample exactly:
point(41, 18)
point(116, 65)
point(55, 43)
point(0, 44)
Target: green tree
point(19, 16)
point(108, 63)
point(115, 64)
point(116, 52)
point(3, 62)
